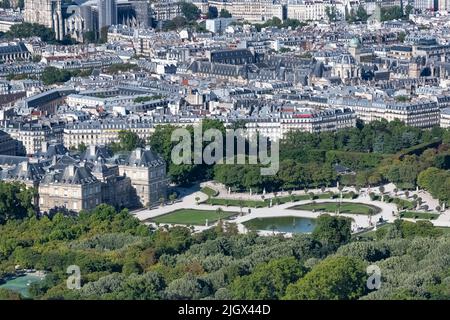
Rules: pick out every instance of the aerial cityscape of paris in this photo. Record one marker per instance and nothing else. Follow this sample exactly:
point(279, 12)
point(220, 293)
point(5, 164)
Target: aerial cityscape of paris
point(225, 150)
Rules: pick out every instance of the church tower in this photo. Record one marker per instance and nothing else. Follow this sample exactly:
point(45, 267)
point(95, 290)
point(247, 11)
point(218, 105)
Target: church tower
point(47, 13)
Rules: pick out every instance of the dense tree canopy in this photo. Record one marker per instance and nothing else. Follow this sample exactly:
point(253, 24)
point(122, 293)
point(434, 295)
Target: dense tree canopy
point(25, 30)
point(224, 13)
point(332, 231)
point(378, 152)
point(437, 182)
point(120, 258)
point(268, 281)
point(183, 173)
point(128, 141)
point(52, 75)
point(335, 278)
point(212, 12)
point(190, 11)
point(391, 13)
point(16, 201)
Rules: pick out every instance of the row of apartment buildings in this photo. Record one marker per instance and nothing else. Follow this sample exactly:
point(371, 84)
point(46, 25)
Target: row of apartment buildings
point(312, 115)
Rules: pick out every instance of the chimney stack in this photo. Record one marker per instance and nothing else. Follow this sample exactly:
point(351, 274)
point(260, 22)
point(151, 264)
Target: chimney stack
point(92, 150)
point(138, 152)
point(71, 169)
point(44, 146)
point(24, 166)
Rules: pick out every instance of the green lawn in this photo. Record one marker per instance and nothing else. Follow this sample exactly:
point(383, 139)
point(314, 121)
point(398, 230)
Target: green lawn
point(210, 192)
point(265, 203)
point(420, 215)
point(346, 207)
point(445, 230)
point(371, 233)
point(237, 202)
point(192, 217)
point(285, 199)
point(407, 204)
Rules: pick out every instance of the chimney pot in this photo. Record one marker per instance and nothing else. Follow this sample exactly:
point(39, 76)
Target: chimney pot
point(92, 150)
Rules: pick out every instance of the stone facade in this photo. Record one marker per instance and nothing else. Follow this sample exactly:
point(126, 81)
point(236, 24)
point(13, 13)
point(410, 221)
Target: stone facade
point(74, 189)
point(147, 172)
point(8, 146)
point(47, 13)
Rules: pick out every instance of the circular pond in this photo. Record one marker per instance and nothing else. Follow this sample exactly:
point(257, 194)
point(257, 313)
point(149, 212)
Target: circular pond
point(282, 224)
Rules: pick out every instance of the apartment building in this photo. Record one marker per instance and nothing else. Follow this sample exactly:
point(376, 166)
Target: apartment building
point(256, 10)
point(33, 135)
point(419, 113)
point(445, 118)
point(305, 119)
point(8, 146)
point(103, 132)
point(164, 10)
point(314, 10)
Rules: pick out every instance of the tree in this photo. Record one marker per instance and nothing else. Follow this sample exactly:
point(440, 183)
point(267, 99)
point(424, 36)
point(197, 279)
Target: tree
point(81, 147)
point(335, 278)
point(131, 267)
point(332, 231)
point(268, 281)
point(148, 286)
point(231, 229)
point(188, 287)
point(52, 75)
point(26, 30)
point(190, 11)
point(212, 12)
point(224, 13)
point(172, 197)
point(5, 4)
point(16, 201)
point(103, 34)
point(331, 13)
point(109, 284)
point(293, 23)
point(408, 9)
point(90, 37)
point(9, 295)
point(361, 14)
point(391, 13)
point(120, 67)
point(128, 141)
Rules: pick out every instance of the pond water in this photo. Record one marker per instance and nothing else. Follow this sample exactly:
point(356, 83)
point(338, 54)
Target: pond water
point(21, 284)
point(282, 224)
